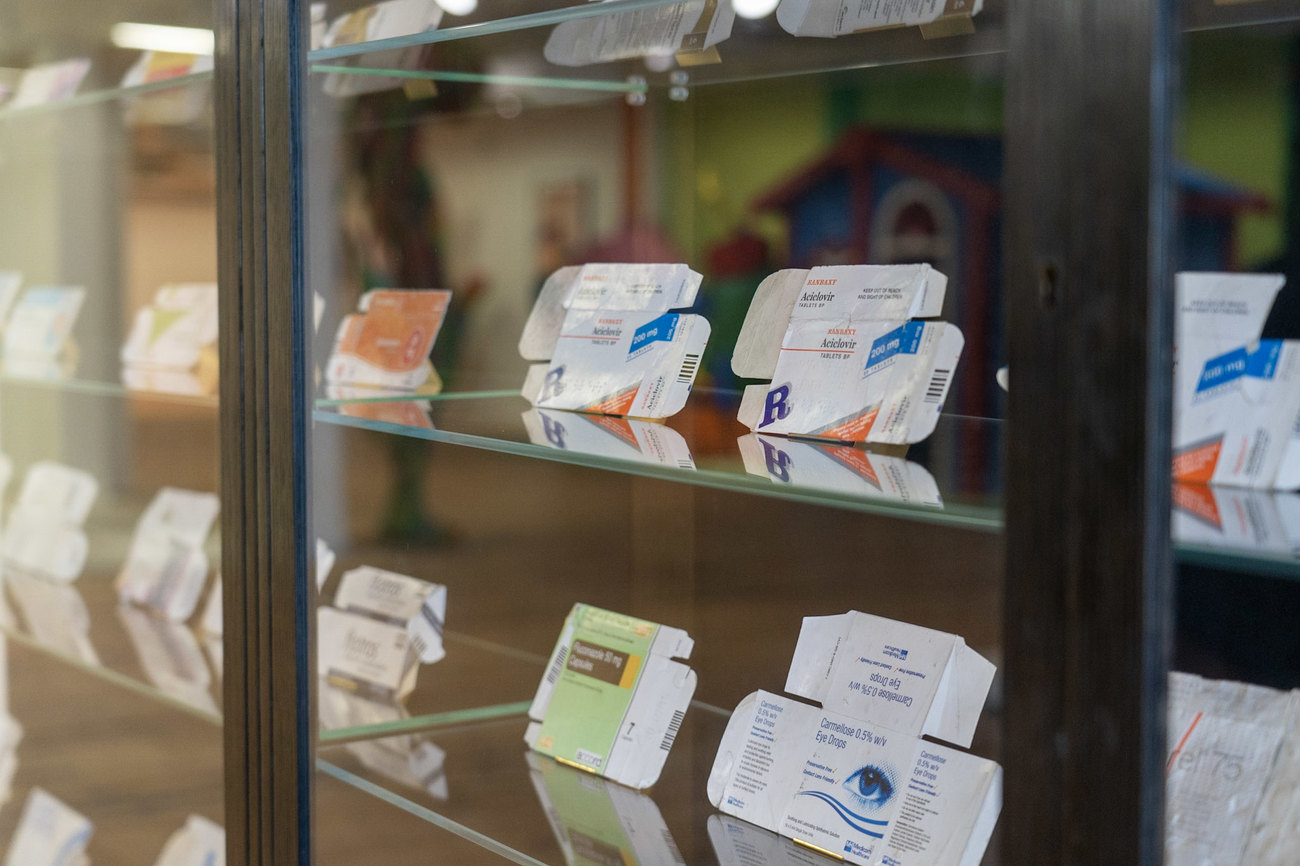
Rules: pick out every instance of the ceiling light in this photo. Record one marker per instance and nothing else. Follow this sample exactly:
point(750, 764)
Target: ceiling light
point(458, 7)
point(754, 8)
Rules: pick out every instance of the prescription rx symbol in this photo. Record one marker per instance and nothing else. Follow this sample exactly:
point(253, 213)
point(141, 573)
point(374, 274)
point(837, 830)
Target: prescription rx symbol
point(778, 462)
point(553, 384)
point(777, 406)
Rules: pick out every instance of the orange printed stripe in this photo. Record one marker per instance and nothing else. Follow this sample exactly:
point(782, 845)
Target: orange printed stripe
point(1196, 721)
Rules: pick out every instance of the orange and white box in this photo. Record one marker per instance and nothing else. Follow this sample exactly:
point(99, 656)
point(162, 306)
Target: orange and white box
point(1236, 397)
point(844, 355)
point(613, 343)
point(387, 344)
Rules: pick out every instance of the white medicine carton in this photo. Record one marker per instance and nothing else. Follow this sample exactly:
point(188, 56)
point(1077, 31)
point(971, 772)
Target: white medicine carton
point(1236, 397)
point(844, 355)
point(853, 777)
point(44, 533)
point(166, 567)
point(199, 843)
point(416, 605)
point(830, 18)
point(49, 833)
point(690, 28)
point(610, 341)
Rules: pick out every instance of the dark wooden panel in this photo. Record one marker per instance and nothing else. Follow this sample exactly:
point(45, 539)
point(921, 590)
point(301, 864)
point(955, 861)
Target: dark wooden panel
point(269, 644)
point(1089, 298)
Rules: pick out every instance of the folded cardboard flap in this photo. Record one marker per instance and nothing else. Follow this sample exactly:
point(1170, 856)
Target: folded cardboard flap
point(830, 18)
point(542, 330)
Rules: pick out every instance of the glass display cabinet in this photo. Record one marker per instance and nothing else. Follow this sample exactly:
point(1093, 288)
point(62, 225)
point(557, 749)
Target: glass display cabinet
point(615, 458)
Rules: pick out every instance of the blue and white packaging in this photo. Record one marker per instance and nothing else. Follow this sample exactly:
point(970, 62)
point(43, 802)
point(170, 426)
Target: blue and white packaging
point(611, 342)
point(608, 436)
point(199, 843)
point(50, 833)
point(853, 778)
point(846, 359)
point(839, 468)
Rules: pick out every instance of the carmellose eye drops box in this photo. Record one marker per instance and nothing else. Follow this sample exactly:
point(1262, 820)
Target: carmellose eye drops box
point(853, 778)
point(610, 341)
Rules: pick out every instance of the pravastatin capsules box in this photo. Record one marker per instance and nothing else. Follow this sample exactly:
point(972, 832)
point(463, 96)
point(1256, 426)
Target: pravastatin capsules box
point(610, 341)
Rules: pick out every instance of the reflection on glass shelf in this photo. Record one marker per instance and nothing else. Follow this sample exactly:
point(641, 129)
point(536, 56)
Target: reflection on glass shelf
point(150, 389)
point(526, 806)
point(409, 760)
point(503, 80)
point(171, 658)
point(952, 478)
point(1238, 528)
point(739, 843)
point(108, 94)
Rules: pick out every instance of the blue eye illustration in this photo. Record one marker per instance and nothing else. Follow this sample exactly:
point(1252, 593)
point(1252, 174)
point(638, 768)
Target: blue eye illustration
point(870, 786)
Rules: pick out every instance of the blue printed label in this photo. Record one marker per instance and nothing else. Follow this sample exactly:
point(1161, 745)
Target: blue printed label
point(659, 330)
point(1230, 366)
point(905, 340)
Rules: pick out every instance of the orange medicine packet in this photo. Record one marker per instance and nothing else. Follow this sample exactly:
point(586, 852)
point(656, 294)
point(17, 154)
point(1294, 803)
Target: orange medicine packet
point(388, 343)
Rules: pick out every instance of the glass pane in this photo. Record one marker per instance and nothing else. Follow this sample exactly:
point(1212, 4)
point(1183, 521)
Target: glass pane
point(494, 154)
point(1233, 724)
point(110, 683)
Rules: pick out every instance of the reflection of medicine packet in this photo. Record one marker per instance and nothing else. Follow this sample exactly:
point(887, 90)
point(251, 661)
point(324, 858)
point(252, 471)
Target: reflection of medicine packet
point(845, 358)
point(657, 31)
point(55, 615)
point(416, 605)
point(166, 566)
point(363, 654)
point(841, 468)
point(841, 17)
point(199, 843)
point(170, 656)
point(387, 344)
point(41, 322)
point(44, 534)
point(50, 82)
point(595, 821)
point(613, 699)
point(49, 833)
point(608, 436)
point(378, 21)
point(610, 341)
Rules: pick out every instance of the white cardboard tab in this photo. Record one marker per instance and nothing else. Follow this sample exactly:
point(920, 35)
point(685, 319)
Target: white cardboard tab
point(49, 833)
point(845, 358)
point(904, 677)
point(50, 82)
point(613, 699)
point(658, 31)
point(199, 843)
point(416, 605)
point(617, 349)
point(166, 567)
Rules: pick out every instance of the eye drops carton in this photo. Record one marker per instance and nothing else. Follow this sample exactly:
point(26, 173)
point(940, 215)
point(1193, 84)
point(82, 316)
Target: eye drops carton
point(387, 344)
point(611, 344)
point(49, 833)
point(613, 699)
point(166, 567)
point(830, 18)
point(689, 30)
point(44, 536)
point(844, 355)
point(839, 468)
point(853, 778)
point(379, 21)
point(608, 436)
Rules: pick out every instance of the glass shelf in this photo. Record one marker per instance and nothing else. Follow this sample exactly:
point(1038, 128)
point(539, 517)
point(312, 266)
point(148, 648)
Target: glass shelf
point(108, 94)
point(949, 479)
point(107, 389)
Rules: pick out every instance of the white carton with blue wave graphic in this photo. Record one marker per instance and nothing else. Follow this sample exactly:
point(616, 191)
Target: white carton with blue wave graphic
point(853, 778)
point(611, 342)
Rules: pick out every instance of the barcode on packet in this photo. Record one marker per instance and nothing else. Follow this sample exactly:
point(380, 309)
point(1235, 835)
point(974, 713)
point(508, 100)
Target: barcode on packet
point(419, 644)
point(685, 463)
point(686, 375)
point(673, 727)
point(938, 384)
point(553, 675)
